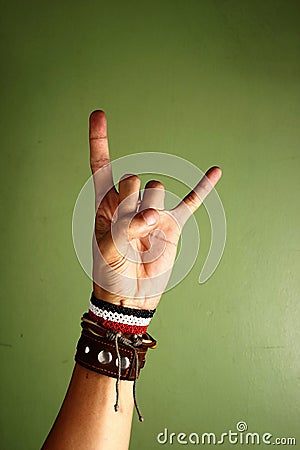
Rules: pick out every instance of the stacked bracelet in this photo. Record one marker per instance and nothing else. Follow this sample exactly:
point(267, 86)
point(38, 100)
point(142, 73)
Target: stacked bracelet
point(98, 349)
point(112, 348)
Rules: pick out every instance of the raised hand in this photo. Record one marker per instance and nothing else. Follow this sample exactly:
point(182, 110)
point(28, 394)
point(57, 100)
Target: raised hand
point(135, 240)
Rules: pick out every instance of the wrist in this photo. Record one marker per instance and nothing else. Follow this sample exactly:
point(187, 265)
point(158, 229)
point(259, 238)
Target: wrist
point(146, 302)
point(109, 297)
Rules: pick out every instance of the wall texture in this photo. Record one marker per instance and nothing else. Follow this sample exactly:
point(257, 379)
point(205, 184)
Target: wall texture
point(215, 82)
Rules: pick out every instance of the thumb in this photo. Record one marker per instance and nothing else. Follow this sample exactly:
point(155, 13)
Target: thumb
point(143, 223)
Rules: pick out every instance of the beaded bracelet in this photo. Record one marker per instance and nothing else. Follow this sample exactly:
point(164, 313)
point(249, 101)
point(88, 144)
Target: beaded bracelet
point(120, 318)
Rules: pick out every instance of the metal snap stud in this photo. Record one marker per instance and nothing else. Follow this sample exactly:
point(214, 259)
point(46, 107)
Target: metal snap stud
point(124, 362)
point(104, 357)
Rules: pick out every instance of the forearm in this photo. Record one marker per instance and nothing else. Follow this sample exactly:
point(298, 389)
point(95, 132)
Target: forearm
point(87, 419)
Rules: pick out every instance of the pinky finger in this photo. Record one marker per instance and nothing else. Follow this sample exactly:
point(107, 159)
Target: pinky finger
point(195, 198)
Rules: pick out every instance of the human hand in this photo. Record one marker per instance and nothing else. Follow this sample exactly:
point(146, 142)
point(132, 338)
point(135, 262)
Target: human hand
point(135, 241)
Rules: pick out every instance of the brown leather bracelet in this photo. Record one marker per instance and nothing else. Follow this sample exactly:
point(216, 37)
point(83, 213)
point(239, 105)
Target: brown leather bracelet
point(113, 353)
point(96, 352)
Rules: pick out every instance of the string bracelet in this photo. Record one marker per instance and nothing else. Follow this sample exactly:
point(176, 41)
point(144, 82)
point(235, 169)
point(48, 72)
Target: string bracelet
point(120, 318)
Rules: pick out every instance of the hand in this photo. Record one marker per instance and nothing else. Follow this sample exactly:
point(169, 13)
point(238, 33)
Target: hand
point(135, 240)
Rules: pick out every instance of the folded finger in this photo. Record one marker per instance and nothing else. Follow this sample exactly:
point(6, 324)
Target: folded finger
point(129, 189)
point(153, 196)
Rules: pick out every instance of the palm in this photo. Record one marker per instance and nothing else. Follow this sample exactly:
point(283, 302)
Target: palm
point(135, 241)
point(146, 277)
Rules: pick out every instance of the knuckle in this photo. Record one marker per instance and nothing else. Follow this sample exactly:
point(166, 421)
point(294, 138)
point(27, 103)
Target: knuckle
point(97, 163)
point(130, 178)
point(193, 200)
point(154, 184)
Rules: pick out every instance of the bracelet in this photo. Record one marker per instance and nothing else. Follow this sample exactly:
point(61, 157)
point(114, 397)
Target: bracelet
point(96, 350)
point(113, 353)
point(120, 318)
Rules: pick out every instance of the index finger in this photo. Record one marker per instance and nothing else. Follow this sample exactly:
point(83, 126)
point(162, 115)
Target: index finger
point(99, 152)
point(99, 155)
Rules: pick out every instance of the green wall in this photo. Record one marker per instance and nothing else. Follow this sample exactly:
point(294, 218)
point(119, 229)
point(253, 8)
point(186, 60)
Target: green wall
point(212, 81)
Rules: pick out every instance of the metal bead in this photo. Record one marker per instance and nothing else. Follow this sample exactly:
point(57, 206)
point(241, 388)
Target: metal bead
point(87, 349)
point(124, 362)
point(104, 357)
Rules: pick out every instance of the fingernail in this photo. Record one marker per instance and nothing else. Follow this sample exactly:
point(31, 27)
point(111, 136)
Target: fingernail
point(149, 217)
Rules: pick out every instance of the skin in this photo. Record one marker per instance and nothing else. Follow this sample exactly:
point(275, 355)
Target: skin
point(125, 225)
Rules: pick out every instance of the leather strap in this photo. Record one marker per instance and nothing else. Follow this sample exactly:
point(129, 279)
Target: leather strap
point(99, 354)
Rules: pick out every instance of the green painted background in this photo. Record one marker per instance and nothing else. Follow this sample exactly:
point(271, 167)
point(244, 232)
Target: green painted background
point(215, 82)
